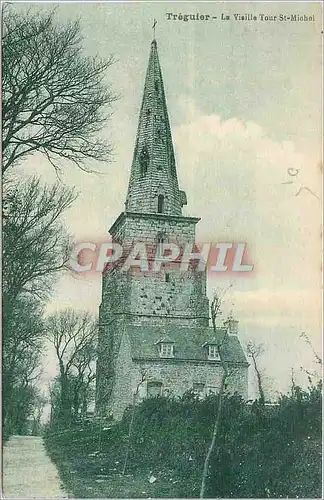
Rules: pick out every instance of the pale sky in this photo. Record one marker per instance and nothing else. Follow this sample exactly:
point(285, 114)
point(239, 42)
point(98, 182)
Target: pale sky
point(244, 101)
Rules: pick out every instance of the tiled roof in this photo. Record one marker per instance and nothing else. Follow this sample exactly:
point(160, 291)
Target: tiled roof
point(188, 343)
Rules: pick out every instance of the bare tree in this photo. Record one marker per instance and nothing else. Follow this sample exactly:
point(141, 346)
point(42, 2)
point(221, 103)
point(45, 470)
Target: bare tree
point(55, 99)
point(83, 377)
point(35, 249)
point(40, 401)
point(132, 420)
point(35, 244)
point(318, 359)
point(71, 333)
point(255, 350)
point(215, 310)
point(315, 373)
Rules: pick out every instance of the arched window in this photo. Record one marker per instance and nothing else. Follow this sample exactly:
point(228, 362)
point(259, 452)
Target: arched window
point(161, 238)
point(160, 204)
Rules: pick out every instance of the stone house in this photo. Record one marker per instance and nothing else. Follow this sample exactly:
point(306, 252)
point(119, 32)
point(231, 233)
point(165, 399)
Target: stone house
point(154, 333)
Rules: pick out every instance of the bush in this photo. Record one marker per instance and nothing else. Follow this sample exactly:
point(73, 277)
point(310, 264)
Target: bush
point(261, 451)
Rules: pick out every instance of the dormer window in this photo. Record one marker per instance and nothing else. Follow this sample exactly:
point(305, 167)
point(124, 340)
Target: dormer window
point(213, 352)
point(166, 348)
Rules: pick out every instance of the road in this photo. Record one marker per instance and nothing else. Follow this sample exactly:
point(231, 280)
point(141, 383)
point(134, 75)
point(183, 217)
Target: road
point(27, 470)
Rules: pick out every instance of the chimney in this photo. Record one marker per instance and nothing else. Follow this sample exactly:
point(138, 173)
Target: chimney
point(231, 325)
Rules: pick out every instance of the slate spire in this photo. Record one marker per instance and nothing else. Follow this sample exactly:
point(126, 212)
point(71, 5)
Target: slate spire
point(153, 185)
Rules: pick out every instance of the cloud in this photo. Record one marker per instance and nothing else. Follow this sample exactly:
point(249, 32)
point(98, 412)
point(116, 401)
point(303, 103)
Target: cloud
point(235, 176)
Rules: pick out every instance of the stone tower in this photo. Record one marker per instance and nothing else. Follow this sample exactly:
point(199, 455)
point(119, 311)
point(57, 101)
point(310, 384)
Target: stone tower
point(140, 311)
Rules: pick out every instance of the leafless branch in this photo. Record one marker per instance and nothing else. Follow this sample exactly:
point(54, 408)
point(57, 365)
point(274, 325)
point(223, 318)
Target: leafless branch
point(215, 309)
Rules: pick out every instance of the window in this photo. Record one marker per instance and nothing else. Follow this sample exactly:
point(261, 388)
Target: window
point(167, 277)
point(148, 116)
point(198, 387)
point(166, 350)
point(144, 160)
point(160, 204)
point(213, 352)
point(160, 240)
point(154, 389)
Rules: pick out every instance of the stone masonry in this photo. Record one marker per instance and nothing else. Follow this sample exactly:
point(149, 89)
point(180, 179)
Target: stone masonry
point(155, 324)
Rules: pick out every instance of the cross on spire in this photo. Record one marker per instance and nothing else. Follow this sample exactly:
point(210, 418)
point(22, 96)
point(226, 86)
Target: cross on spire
point(153, 27)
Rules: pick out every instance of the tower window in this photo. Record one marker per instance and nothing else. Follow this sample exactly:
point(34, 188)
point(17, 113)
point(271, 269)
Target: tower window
point(144, 160)
point(160, 239)
point(160, 204)
point(148, 115)
point(167, 277)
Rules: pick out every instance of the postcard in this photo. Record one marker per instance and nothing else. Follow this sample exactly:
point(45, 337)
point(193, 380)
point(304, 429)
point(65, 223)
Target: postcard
point(161, 229)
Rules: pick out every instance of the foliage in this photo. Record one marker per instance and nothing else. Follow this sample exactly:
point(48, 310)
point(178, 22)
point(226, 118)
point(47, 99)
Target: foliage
point(73, 335)
point(21, 348)
point(35, 250)
point(55, 102)
point(270, 453)
point(35, 244)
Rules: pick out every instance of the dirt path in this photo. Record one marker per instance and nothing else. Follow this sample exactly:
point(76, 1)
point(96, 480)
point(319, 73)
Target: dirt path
point(27, 470)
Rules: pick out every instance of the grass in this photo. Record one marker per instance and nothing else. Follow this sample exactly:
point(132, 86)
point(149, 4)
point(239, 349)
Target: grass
point(87, 472)
point(272, 453)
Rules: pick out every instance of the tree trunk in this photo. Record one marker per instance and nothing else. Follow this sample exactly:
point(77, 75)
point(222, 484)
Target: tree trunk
point(214, 437)
point(130, 429)
point(65, 410)
point(259, 380)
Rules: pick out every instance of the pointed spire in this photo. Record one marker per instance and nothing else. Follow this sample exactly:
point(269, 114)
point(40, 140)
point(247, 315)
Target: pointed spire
point(153, 185)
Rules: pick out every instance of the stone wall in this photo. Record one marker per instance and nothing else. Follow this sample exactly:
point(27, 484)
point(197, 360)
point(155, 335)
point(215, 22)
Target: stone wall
point(127, 376)
point(134, 227)
point(176, 376)
point(180, 301)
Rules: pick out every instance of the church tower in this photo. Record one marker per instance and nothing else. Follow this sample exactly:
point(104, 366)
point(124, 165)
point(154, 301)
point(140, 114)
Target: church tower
point(150, 319)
